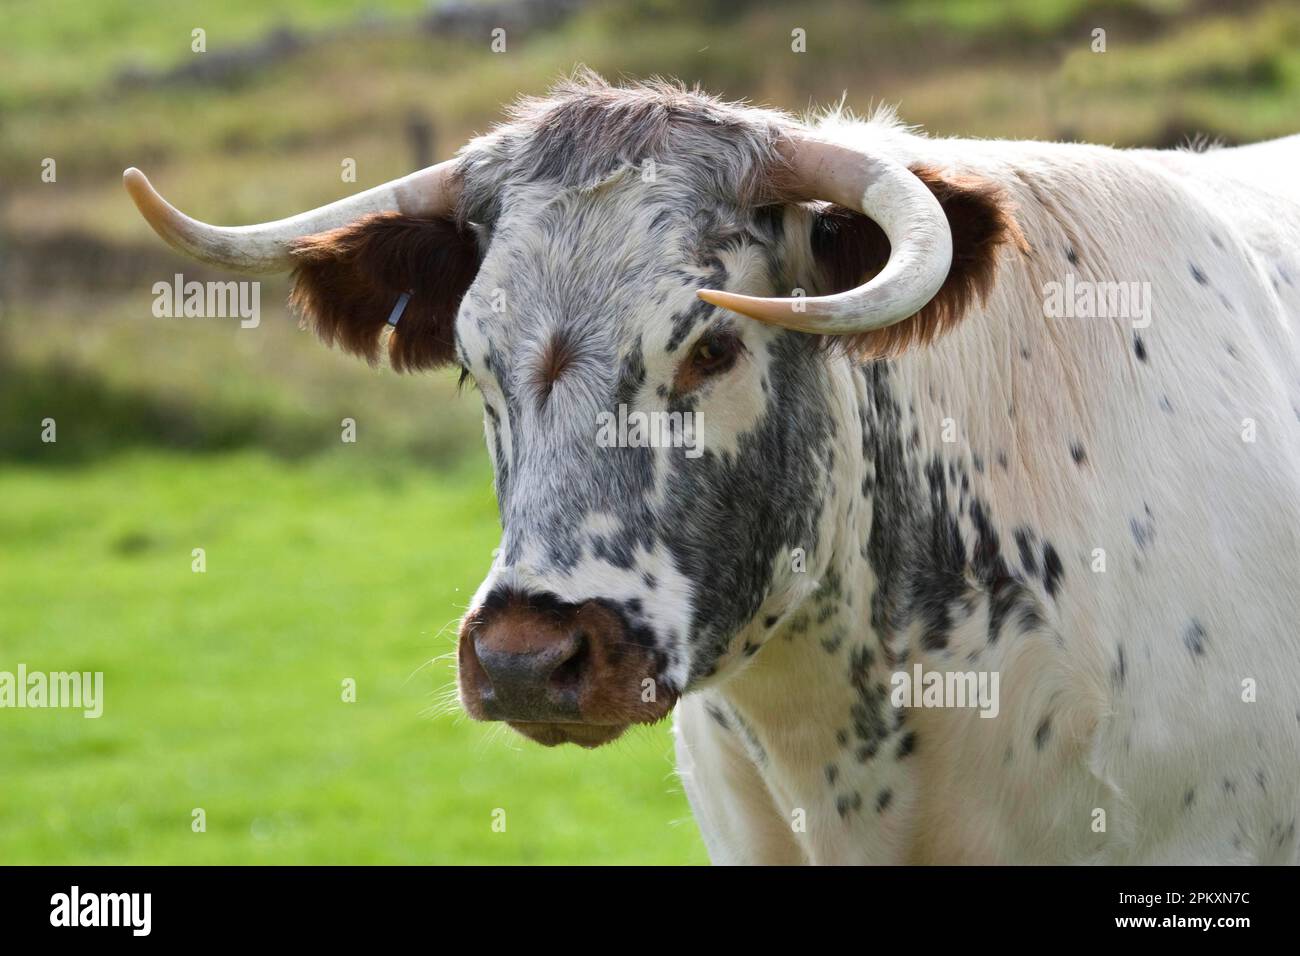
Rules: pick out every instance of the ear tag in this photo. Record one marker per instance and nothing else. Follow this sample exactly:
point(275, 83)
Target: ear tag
point(399, 308)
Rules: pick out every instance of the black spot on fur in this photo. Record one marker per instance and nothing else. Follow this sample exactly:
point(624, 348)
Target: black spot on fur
point(1143, 531)
point(1025, 544)
point(934, 641)
point(906, 745)
point(631, 375)
point(1043, 733)
point(1052, 569)
point(1139, 348)
point(883, 800)
point(1006, 595)
point(718, 716)
point(866, 751)
point(1194, 638)
point(848, 803)
point(871, 705)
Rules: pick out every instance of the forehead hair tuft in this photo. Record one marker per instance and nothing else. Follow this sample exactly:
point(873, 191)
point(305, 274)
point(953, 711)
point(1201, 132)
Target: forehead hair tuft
point(586, 129)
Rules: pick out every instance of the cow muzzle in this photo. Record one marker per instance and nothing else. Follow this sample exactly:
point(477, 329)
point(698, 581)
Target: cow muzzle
point(557, 672)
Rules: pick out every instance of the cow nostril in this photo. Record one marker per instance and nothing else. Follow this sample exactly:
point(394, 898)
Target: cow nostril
point(568, 674)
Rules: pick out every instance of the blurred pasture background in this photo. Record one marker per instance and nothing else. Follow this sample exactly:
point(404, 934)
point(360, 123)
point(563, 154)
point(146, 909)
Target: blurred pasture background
point(327, 560)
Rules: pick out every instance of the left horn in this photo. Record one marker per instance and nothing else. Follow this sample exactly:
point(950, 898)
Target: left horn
point(887, 192)
point(268, 247)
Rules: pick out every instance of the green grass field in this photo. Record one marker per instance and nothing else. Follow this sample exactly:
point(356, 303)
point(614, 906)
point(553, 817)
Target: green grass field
point(223, 690)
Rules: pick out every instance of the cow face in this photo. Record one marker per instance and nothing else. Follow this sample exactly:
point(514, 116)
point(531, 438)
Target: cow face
point(656, 458)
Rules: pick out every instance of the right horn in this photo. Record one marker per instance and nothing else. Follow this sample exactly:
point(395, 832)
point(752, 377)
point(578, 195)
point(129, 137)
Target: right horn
point(890, 194)
point(427, 194)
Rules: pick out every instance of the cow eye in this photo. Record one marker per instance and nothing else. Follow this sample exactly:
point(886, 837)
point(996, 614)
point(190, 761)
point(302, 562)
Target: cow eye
point(715, 352)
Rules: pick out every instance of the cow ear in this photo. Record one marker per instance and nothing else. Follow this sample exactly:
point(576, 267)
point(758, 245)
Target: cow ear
point(848, 249)
point(348, 280)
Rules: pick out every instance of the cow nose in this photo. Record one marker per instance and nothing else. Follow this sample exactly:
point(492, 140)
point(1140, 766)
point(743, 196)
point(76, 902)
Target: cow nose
point(533, 660)
point(534, 657)
point(531, 681)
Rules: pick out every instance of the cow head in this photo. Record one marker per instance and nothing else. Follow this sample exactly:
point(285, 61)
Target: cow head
point(658, 454)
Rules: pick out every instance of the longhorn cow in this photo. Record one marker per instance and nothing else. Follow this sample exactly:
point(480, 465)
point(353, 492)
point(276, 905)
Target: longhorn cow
point(1003, 430)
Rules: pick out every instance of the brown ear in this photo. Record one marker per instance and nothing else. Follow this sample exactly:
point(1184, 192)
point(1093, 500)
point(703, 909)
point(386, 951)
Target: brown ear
point(849, 249)
point(348, 279)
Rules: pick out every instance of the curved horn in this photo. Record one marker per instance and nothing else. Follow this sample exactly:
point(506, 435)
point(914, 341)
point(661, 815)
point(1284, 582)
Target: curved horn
point(425, 194)
point(919, 239)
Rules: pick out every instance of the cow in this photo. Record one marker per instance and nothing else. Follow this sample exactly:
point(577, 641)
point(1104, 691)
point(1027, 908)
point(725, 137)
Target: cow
point(988, 550)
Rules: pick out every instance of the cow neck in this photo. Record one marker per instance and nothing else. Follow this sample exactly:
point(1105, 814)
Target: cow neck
point(815, 700)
